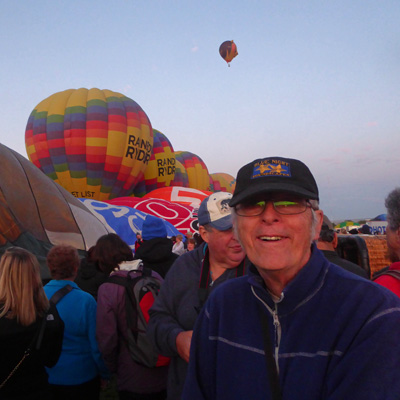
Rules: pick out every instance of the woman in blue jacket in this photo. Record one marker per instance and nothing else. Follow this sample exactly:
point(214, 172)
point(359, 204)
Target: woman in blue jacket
point(79, 370)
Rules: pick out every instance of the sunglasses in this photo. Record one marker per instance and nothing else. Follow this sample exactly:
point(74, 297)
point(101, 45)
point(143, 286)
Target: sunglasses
point(284, 207)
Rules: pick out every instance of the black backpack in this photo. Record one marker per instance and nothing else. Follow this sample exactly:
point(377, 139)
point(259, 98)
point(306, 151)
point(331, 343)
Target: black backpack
point(141, 289)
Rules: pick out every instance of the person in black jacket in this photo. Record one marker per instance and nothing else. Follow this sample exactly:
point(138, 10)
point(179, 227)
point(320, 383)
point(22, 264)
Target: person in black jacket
point(23, 308)
point(156, 249)
point(90, 276)
point(327, 243)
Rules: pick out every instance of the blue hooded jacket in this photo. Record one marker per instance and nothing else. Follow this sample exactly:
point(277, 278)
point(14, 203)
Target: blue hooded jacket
point(335, 336)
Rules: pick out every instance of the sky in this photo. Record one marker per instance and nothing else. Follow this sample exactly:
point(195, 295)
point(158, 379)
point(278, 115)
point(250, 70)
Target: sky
point(314, 80)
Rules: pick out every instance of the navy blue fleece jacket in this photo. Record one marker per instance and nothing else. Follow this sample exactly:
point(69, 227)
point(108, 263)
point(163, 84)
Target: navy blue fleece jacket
point(335, 336)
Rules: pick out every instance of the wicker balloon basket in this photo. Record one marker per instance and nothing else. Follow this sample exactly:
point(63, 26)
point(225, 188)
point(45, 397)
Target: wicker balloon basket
point(377, 252)
point(368, 251)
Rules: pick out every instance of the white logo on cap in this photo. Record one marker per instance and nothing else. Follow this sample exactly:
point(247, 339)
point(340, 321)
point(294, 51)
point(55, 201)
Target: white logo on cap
point(218, 205)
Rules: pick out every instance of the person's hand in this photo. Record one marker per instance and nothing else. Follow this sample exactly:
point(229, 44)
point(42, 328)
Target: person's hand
point(183, 344)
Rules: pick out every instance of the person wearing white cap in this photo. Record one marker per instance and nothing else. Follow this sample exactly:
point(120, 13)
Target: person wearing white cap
point(188, 283)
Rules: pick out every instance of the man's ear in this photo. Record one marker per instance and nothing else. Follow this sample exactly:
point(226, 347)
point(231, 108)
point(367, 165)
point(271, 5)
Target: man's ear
point(335, 240)
point(320, 217)
point(203, 233)
point(397, 231)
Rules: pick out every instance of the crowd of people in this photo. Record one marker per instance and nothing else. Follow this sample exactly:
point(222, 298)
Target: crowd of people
point(257, 305)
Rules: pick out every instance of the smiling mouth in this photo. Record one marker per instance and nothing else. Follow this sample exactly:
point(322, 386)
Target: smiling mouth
point(271, 238)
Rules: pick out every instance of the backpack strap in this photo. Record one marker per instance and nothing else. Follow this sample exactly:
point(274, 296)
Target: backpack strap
point(240, 269)
point(130, 302)
point(146, 271)
point(57, 296)
point(41, 331)
point(205, 275)
point(391, 272)
point(204, 279)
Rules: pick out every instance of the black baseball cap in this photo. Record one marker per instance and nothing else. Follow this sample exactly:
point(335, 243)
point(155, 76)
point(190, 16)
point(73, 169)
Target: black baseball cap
point(274, 174)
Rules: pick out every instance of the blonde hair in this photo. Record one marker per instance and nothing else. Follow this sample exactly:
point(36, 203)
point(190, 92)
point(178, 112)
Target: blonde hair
point(21, 290)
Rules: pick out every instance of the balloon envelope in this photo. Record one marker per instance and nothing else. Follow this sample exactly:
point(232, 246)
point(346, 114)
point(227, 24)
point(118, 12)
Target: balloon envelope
point(228, 50)
point(36, 213)
point(124, 221)
point(95, 143)
point(347, 223)
point(380, 217)
point(196, 170)
point(181, 177)
point(223, 182)
point(187, 196)
point(182, 216)
point(160, 170)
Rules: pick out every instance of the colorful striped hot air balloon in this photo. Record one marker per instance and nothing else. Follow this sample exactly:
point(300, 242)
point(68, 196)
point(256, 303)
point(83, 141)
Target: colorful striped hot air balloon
point(95, 143)
point(181, 178)
point(161, 168)
point(223, 182)
point(197, 172)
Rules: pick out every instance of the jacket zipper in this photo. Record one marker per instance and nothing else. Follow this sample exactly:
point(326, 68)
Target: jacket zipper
point(278, 334)
point(277, 326)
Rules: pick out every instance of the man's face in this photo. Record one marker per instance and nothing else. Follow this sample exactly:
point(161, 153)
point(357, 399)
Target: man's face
point(276, 242)
point(393, 243)
point(223, 246)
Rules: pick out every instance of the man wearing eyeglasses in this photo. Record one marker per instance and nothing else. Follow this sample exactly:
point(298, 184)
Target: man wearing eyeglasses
point(297, 327)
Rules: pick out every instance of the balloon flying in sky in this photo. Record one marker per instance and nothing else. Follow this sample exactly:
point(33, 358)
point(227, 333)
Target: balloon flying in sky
point(228, 51)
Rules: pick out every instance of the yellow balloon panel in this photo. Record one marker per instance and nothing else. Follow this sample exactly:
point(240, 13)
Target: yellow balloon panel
point(197, 171)
point(223, 182)
point(161, 168)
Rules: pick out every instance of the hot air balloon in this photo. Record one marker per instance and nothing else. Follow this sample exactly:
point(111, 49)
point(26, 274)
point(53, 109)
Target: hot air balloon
point(196, 170)
point(124, 221)
point(181, 177)
point(186, 196)
point(182, 216)
point(228, 51)
point(223, 182)
point(160, 170)
point(95, 143)
point(36, 213)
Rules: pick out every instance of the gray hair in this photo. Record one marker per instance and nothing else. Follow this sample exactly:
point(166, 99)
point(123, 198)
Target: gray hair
point(208, 227)
point(392, 203)
point(314, 223)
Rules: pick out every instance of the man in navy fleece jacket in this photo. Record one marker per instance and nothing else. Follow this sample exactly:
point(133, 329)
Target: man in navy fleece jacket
point(334, 335)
